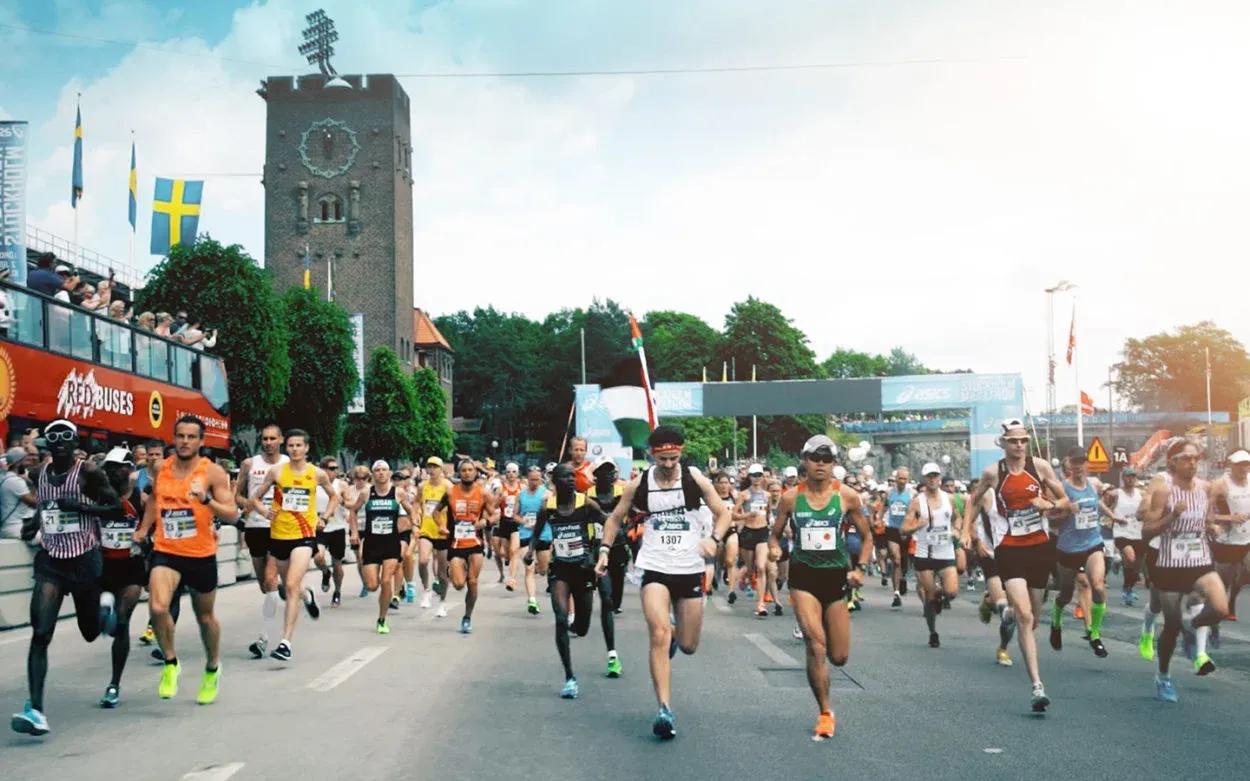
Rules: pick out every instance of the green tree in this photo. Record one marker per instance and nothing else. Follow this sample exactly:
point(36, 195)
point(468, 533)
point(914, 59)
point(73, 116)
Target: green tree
point(846, 364)
point(679, 346)
point(323, 368)
point(900, 363)
point(708, 437)
point(1167, 371)
point(226, 291)
point(388, 427)
point(432, 435)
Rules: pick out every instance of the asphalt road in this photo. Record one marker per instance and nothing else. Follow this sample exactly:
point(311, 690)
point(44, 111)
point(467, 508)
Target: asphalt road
point(428, 703)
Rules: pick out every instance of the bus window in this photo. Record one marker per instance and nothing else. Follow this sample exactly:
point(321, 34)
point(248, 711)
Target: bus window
point(80, 334)
point(114, 345)
point(153, 357)
point(213, 383)
point(183, 358)
point(27, 310)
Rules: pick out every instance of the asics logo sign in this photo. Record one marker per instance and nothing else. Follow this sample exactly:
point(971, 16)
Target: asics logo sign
point(923, 395)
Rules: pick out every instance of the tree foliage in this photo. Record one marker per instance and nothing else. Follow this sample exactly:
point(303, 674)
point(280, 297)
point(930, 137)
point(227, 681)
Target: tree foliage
point(388, 427)
point(323, 368)
point(680, 346)
point(708, 437)
point(225, 290)
point(758, 334)
point(432, 435)
point(1167, 371)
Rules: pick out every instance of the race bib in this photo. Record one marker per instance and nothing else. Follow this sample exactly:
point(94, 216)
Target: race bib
point(759, 507)
point(939, 537)
point(1024, 522)
point(509, 506)
point(816, 538)
point(1086, 519)
point(1187, 548)
point(465, 530)
point(529, 519)
point(430, 506)
point(672, 530)
point(898, 508)
point(116, 539)
point(571, 548)
point(178, 523)
point(383, 525)
point(55, 521)
point(296, 500)
point(674, 540)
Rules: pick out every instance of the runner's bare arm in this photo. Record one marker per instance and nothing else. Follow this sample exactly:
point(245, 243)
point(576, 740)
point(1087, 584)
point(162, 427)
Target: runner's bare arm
point(1218, 511)
point(97, 488)
point(614, 521)
point(271, 479)
point(1158, 515)
point(1051, 483)
point(240, 487)
point(220, 498)
point(912, 522)
point(148, 521)
point(721, 515)
point(784, 508)
point(853, 509)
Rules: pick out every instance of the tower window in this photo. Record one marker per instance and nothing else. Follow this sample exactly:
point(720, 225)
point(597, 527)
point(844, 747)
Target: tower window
point(327, 144)
point(330, 209)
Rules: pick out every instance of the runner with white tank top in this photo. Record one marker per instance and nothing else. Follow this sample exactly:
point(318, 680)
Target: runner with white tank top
point(1230, 545)
point(1126, 532)
point(937, 577)
point(252, 473)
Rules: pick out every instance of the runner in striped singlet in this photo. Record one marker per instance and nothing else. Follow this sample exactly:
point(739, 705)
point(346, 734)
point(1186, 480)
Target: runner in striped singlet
point(1177, 514)
point(71, 494)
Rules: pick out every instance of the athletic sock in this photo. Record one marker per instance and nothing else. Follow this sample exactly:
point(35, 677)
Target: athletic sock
point(1148, 621)
point(1056, 615)
point(1202, 633)
point(1096, 613)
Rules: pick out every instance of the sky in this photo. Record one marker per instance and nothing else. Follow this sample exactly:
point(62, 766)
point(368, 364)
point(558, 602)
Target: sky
point(961, 157)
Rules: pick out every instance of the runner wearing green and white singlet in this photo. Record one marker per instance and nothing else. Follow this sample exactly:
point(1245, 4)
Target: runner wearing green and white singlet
point(821, 571)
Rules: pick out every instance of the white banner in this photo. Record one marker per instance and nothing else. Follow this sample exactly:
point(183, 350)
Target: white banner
point(13, 200)
point(358, 352)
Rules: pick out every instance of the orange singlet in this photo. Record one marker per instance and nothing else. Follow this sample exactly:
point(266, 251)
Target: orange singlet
point(184, 526)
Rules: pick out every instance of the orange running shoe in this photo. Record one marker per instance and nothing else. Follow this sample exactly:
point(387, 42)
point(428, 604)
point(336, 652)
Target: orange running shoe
point(824, 727)
point(1078, 612)
point(1230, 617)
point(768, 597)
point(755, 582)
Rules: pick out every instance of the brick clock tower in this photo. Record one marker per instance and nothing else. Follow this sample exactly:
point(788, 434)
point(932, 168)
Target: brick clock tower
point(338, 180)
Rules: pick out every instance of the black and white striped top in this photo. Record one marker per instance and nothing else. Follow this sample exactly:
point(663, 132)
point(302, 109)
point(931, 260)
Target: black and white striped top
point(1184, 542)
point(65, 535)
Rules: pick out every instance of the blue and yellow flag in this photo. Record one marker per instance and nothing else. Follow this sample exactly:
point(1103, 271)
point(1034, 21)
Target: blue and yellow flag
point(134, 176)
point(307, 268)
point(175, 213)
point(76, 184)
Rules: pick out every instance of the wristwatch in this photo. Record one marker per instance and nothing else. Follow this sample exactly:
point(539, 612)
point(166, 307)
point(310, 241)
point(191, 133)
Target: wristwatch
point(716, 539)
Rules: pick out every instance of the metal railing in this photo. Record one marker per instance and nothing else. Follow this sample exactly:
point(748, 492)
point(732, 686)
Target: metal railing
point(76, 255)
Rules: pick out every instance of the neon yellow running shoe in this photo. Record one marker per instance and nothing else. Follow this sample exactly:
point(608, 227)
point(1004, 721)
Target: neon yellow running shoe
point(383, 629)
point(1203, 665)
point(1146, 645)
point(209, 687)
point(168, 687)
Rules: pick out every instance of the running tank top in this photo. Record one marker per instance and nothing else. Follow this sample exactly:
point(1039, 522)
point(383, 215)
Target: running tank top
point(1016, 492)
point(896, 507)
point(508, 501)
point(1126, 507)
point(339, 519)
point(1184, 542)
point(66, 534)
point(295, 501)
point(1238, 503)
point(991, 526)
point(607, 504)
point(670, 532)
point(528, 504)
point(757, 502)
point(381, 514)
point(184, 526)
point(255, 477)
point(572, 538)
point(466, 511)
point(818, 538)
point(1079, 532)
point(936, 540)
point(431, 515)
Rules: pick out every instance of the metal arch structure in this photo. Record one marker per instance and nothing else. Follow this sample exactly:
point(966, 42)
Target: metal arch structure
point(988, 398)
point(319, 38)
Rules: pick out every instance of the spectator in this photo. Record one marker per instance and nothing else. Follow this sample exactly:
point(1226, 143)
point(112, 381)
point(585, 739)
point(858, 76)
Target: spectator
point(163, 322)
point(117, 310)
point(17, 500)
point(69, 281)
point(193, 336)
point(181, 324)
point(90, 298)
point(146, 321)
point(43, 279)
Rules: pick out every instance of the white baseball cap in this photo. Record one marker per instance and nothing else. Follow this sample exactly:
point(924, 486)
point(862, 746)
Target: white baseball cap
point(601, 461)
point(119, 455)
point(755, 469)
point(930, 469)
point(792, 471)
point(512, 468)
point(1239, 457)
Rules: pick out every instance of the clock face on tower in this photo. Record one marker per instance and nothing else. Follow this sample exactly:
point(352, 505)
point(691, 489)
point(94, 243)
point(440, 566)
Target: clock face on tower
point(328, 148)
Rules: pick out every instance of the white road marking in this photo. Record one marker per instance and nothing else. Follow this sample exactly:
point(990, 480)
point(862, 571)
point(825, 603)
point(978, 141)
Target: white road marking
point(771, 651)
point(346, 668)
point(21, 638)
point(1227, 632)
point(213, 772)
point(992, 750)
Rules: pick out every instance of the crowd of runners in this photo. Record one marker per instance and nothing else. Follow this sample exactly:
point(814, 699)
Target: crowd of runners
point(803, 540)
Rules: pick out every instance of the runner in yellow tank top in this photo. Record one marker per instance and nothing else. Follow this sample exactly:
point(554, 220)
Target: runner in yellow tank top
point(293, 524)
point(434, 540)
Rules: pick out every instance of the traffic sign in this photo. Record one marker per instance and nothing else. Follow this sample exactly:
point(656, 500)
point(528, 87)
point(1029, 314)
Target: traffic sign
point(1119, 456)
point(1097, 457)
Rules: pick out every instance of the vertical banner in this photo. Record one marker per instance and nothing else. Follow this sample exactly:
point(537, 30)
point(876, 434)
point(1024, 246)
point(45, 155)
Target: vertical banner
point(13, 200)
point(358, 352)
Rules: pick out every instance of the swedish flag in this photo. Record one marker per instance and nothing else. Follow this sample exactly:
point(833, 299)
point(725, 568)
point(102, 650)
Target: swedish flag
point(76, 183)
point(134, 177)
point(175, 213)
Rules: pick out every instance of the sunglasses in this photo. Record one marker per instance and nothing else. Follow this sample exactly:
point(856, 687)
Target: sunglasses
point(1016, 440)
point(820, 458)
point(60, 436)
point(332, 467)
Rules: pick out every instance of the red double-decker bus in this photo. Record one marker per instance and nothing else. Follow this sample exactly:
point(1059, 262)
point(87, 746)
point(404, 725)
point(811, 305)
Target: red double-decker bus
point(120, 384)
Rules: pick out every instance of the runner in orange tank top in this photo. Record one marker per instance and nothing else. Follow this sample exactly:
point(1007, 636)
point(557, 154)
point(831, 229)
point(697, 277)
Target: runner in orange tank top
point(190, 492)
point(470, 506)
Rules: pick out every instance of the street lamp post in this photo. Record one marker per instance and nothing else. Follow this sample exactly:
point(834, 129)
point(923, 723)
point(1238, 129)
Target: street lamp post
point(1061, 287)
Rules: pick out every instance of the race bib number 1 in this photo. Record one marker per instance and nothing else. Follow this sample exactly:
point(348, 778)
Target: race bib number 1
point(816, 538)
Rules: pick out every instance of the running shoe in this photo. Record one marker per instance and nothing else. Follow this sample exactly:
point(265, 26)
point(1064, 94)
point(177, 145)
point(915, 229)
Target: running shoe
point(108, 616)
point(1164, 688)
point(30, 722)
point(1056, 638)
point(282, 591)
point(761, 610)
point(325, 581)
point(1078, 612)
point(1126, 596)
point(1203, 665)
point(310, 604)
point(336, 600)
point(824, 727)
point(111, 697)
point(532, 607)
point(158, 655)
point(797, 634)
point(885, 582)
point(614, 666)
point(427, 599)
point(466, 625)
point(1100, 650)
point(410, 593)
point(985, 612)
point(282, 653)
point(732, 598)
point(1146, 645)
point(168, 686)
point(383, 629)
point(777, 610)
point(662, 726)
point(258, 648)
point(934, 642)
point(148, 637)
point(898, 600)
point(209, 686)
point(672, 648)
point(1039, 700)
point(394, 603)
point(1231, 617)
point(364, 592)
point(1004, 658)
point(442, 612)
point(569, 692)
point(510, 585)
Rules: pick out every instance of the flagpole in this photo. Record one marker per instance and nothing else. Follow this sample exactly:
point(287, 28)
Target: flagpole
point(755, 434)
point(1076, 377)
point(583, 330)
point(78, 142)
point(1209, 421)
point(330, 277)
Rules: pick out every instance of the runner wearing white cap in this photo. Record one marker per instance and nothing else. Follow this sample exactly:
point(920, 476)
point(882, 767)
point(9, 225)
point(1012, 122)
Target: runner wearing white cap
point(751, 508)
point(931, 517)
point(1230, 545)
point(790, 477)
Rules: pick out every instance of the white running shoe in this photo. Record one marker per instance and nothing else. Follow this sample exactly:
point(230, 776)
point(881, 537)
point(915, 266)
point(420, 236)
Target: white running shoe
point(442, 612)
point(427, 600)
